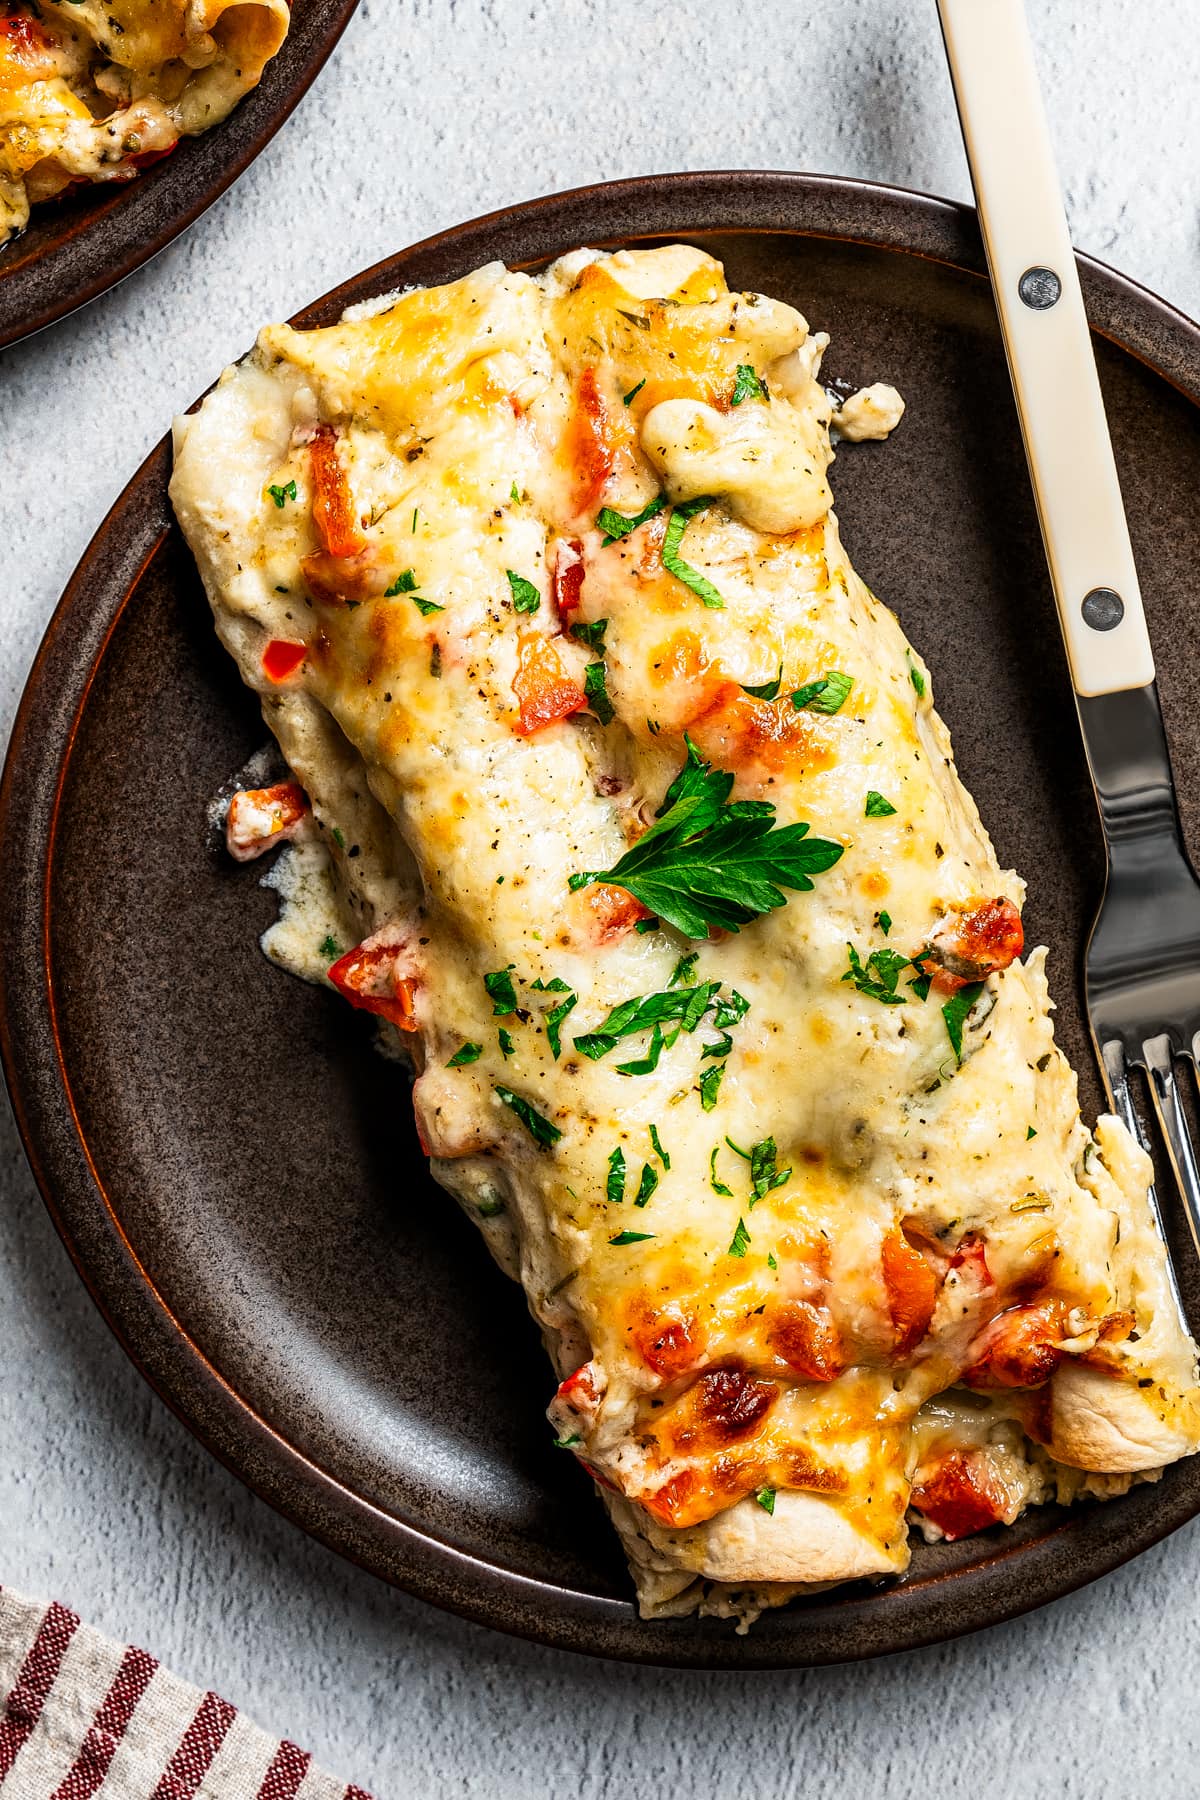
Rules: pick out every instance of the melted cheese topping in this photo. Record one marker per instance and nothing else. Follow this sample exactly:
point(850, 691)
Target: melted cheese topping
point(880, 1262)
point(92, 90)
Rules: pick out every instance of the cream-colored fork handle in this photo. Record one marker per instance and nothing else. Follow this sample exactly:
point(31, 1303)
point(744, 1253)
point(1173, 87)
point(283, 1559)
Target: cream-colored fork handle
point(1048, 344)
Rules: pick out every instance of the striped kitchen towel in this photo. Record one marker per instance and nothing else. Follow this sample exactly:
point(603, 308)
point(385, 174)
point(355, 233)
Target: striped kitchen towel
point(81, 1716)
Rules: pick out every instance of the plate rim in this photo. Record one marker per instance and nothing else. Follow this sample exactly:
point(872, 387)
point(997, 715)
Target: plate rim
point(40, 290)
point(31, 1052)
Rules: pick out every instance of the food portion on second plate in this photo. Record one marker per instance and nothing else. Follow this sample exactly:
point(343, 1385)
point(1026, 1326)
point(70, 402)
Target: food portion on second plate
point(622, 803)
point(95, 90)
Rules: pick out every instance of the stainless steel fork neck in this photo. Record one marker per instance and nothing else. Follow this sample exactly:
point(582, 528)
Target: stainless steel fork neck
point(1126, 747)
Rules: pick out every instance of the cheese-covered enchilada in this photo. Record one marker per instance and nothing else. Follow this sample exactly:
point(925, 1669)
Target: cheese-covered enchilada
point(94, 90)
point(622, 802)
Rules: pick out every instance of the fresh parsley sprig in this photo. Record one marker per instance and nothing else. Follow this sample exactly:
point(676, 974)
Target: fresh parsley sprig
point(709, 861)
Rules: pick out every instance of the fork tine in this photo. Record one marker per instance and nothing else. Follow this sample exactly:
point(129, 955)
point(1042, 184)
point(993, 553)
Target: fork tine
point(1164, 1091)
point(1112, 1058)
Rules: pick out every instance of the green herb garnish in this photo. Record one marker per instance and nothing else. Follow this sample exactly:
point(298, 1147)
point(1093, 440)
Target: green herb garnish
point(766, 1499)
point(632, 1237)
point(1029, 1133)
point(677, 524)
point(425, 607)
point(711, 862)
point(877, 806)
point(614, 1187)
point(955, 1014)
point(710, 1083)
point(466, 1053)
point(741, 1240)
point(877, 977)
point(748, 386)
point(404, 583)
point(542, 1130)
point(917, 679)
point(499, 985)
point(658, 1149)
point(718, 1187)
point(633, 392)
point(763, 1173)
point(645, 1065)
point(281, 494)
point(554, 1020)
point(525, 596)
point(683, 968)
point(595, 686)
point(330, 947)
point(617, 525)
point(885, 922)
point(828, 694)
point(507, 1047)
point(920, 985)
point(688, 1005)
point(568, 1443)
point(592, 635)
point(647, 1184)
point(769, 689)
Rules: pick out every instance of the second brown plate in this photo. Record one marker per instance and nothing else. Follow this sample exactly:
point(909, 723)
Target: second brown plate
point(77, 248)
point(231, 1167)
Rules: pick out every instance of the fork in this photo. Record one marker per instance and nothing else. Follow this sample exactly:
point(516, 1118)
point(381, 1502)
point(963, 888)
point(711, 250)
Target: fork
point(1142, 967)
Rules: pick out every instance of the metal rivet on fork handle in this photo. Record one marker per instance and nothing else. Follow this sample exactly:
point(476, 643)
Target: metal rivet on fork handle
point(1039, 288)
point(1103, 609)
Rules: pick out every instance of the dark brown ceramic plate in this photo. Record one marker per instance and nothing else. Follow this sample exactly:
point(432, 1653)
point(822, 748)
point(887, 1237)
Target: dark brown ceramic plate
point(318, 1312)
point(78, 247)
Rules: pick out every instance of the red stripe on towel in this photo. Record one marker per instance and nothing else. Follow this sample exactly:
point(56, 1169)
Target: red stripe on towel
point(194, 1757)
point(38, 1674)
point(108, 1727)
point(282, 1780)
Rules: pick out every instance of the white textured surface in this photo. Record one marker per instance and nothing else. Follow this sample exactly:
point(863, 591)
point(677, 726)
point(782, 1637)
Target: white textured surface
point(432, 111)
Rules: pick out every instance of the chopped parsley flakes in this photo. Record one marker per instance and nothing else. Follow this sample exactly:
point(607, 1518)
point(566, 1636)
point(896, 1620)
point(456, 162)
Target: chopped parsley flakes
point(405, 583)
point(499, 985)
point(955, 1014)
point(554, 1020)
point(718, 1186)
point(878, 807)
point(542, 1130)
point(525, 596)
point(828, 694)
point(614, 1187)
point(281, 494)
point(766, 1499)
point(617, 525)
point(633, 392)
point(590, 634)
point(677, 524)
point(769, 689)
point(647, 1184)
point(466, 1053)
point(661, 1154)
point(632, 1237)
point(595, 686)
point(878, 976)
point(748, 386)
point(741, 1240)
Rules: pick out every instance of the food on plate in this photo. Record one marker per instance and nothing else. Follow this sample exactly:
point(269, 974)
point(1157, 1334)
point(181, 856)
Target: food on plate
point(620, 802)
point(95, 90)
